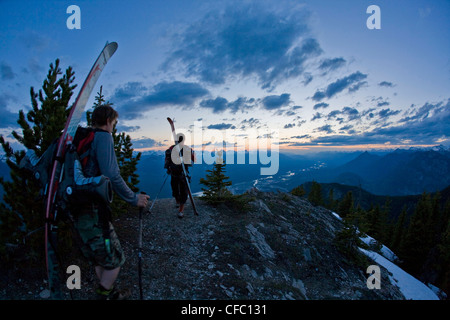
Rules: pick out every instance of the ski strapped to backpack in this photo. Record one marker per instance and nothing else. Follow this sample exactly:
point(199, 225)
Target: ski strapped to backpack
point(51, 170)
point(74, 187)
point(178, 153)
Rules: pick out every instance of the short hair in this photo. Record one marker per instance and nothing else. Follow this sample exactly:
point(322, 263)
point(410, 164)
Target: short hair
point(102, 113)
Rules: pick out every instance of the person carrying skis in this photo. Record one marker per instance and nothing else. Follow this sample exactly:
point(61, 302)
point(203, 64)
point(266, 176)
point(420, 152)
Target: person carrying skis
point(100, 244)
point(178, 180)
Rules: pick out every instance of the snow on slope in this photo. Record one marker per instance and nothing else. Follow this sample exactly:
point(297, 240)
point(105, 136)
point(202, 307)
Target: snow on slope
point(411, 288)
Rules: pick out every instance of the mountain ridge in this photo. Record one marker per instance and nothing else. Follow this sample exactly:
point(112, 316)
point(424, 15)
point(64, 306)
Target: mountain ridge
point(283, 248)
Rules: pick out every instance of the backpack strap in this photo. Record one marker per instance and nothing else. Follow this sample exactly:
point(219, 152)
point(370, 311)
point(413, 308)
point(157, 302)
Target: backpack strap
point(84, 147)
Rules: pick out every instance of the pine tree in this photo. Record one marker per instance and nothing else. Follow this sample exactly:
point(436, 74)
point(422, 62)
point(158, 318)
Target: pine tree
point(216, 184)
point(332, 203)
point(418, 238)
point(315, 195)
point(399, 231)
point(345, 206)
point(298, 191)
point(99, 100)
point(20, 212)
point(444, 250)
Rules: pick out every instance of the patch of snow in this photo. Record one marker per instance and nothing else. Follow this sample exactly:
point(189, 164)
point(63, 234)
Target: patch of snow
point(336, 215)
point(411, 288)
point(385, 251)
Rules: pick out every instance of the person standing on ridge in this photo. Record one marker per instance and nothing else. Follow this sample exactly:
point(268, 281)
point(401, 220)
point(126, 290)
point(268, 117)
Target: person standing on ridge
point(100, 244)
point(178, 180)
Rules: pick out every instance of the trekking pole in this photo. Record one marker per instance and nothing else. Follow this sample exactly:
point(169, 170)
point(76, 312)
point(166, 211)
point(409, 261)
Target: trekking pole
point(160, 189)
point(141, 210)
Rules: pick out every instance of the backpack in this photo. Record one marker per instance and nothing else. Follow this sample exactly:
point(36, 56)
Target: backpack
point(83, 140)
point(74, 188)
point(172, 168)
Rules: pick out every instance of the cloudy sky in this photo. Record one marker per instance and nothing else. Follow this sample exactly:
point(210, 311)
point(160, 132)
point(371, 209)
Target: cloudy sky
point(311, 74)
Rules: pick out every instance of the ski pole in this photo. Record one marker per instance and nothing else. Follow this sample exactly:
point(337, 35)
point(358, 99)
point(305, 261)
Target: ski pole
point(154, 200)
point(140, 251)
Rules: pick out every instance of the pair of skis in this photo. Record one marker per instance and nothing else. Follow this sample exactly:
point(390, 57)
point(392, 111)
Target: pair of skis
point(57, 168)
point(67, 136)
point(149, 209)
point(177, 146)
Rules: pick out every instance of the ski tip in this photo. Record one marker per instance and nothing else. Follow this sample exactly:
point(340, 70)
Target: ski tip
point(112, 47)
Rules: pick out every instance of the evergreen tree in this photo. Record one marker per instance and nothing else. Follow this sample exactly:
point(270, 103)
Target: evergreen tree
point(386, 229)
point(356, 217)
point(444, 249)
point(345, 206)
point(20, 212)
point(298, 191)
point(332, 203)
point(376, 223)
point(399, 231)
point(315, 195)
point(99, 100)
point(418, 238)
point(216, 184)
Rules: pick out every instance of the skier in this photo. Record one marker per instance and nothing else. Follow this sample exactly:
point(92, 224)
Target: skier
point(178, 180)
point(100, 244)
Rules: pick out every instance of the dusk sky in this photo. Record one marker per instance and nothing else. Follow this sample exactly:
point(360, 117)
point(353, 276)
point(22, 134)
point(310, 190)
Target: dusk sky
point(310, 71)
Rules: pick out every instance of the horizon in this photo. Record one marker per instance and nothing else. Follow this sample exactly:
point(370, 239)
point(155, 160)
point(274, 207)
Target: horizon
point(322, 75)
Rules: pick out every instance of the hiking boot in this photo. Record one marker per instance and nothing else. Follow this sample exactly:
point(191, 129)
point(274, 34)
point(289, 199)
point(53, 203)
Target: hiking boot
point(112, 294)
point(180, 211)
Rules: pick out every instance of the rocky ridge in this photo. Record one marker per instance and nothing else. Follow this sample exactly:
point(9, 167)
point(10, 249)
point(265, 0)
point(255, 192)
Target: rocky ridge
point(281, 249)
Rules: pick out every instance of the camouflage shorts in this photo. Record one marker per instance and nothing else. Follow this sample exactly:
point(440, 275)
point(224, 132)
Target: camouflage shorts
point(101, 248)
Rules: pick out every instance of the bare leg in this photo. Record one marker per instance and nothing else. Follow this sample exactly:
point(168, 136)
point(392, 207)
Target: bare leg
point(107, 277)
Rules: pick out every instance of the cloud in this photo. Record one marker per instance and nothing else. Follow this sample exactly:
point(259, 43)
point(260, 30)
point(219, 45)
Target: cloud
point(332, 64)
point(35, 41)
point(305, 136)
point(382, 103)
point(174, 93)
point(121, 128)
point(145, 142)
point(352, 114)
point(221, 126)
point(325, 128)
point(249, 123)
point(386, 84)
point(6, 71)
point(428, 125)
point(316, 116)
point(289, 125)
point(385, 113)
point(276, 101)
point(220, 104)
point(352, 82)
point(424, 112)
point(321, 105)
point(8, 119)
point(248, 40)
point(129, 91)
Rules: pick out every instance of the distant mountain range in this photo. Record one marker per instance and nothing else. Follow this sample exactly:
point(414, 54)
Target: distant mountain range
point(384, 173)
point(398, 173)
point(394, 173)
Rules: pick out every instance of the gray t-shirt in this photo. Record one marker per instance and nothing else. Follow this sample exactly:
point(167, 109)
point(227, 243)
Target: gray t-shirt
point(103, 148)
